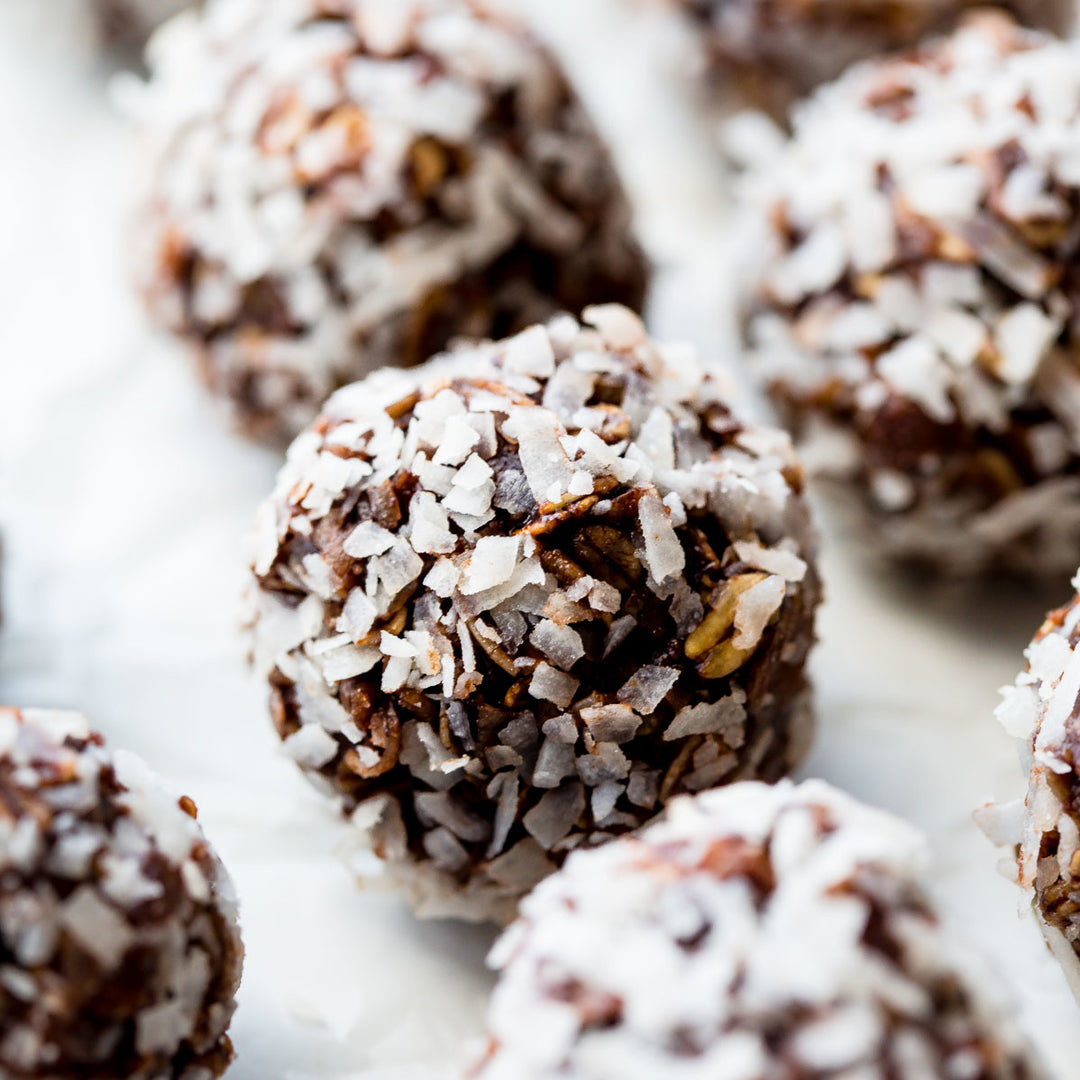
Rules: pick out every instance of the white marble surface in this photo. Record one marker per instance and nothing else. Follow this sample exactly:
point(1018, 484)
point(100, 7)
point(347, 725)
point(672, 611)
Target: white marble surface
point(124, 502)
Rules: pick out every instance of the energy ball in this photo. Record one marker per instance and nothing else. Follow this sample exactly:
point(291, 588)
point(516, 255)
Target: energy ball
point(1044, 827)
point(119, 949)
point(913, 313)
point(758, 933)
point(511, 602)
point(344, 185)
point(784, 48)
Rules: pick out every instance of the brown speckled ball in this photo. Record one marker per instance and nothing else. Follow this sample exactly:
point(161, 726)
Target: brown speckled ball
point(355, 183)
point(774, 51)
point(120, 955)
point(911, 300)
point(1043, 828)
point(763, 933)
point(513, 601)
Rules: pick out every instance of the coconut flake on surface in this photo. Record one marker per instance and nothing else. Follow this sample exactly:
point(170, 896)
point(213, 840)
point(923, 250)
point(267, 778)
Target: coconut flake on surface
point(708, 718)
point(552, 818)
point(620, 327)
point(312, 746)
point(755, 610)
point(1022, 336)
point(913, 368)
point(429, 526)
point(647, 687)
point(560, 644)
point(357, 616)
point(611, 723)
point(367, 539)
point(775, 560)
point(530, 353)
point(663, 552)
point(543, 459)
point(491, 564)
point(550, 684)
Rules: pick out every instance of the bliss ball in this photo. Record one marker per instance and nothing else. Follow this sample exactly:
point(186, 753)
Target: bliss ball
point(1043, 828)
point(338, 186)
point(120, 954)
point(914, 312)
point(511, 602)
point(757, 933)
point(783, 48)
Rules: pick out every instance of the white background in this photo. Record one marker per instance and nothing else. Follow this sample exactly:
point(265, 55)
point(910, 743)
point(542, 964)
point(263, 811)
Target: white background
point(124, 502)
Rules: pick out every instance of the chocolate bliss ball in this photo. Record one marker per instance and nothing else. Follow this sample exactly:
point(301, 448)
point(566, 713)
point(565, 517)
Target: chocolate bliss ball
point(338, 185)
point(120, 955)
point(511, 602)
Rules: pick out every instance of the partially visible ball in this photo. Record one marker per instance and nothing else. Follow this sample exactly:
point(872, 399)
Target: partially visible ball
point(757, 933)
point(511, 602)
point(913, 307)
point(781, 49)
point(119, 950)
point(1044, 827)
point(340, 186)
point(126, 24)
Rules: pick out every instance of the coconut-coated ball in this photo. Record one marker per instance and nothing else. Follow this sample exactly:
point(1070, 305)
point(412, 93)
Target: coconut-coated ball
point(757, 933)
point(773, 51)
point(510, 603)
point(120, 955)
point(1043, 828)
point(338, 185)
point(912, 306)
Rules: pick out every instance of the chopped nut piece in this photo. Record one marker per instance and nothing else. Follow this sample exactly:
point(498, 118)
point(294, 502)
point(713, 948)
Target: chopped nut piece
point(721, 617)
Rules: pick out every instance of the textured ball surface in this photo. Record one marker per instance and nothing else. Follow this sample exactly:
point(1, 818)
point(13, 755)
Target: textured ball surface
point(758, 933)
point(511, 602)
point(1044, 827)
point(343, 185)
point(786, 47)
point(120, 954)
point(914, 310)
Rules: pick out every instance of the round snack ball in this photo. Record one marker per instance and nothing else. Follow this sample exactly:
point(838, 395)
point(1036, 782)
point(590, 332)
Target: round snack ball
point(511, 602)
point(119, 949)
point(758, 933)
point(782, 48)
point(1044, 827)
point(356, 183)
point(914, 311)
